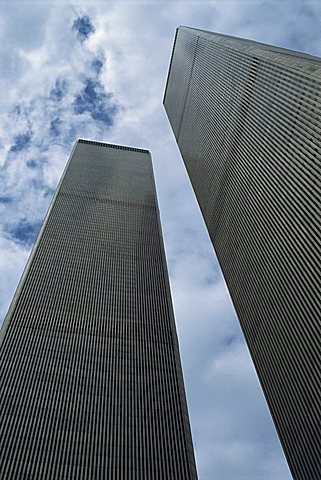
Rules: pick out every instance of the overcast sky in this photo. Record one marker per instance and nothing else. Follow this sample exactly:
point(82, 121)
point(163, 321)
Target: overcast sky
point(98, 70)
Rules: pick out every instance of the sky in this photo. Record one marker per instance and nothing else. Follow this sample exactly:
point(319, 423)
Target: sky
point(97, 70)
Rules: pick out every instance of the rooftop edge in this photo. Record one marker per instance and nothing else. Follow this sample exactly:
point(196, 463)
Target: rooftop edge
point(111, 145)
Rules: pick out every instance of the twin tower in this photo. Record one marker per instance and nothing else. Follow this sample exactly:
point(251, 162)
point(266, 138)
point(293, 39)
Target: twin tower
point(91, 380)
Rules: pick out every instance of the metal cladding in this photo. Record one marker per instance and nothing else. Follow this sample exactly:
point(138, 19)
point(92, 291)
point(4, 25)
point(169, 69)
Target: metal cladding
point(247, 119)
point(91, 380)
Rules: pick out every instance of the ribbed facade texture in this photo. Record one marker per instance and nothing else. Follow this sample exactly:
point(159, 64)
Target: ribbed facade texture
point(247, 119)
point(91, 380)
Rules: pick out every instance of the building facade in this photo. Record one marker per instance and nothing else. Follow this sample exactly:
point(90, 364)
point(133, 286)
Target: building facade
point(247, 119)
point(91, 380)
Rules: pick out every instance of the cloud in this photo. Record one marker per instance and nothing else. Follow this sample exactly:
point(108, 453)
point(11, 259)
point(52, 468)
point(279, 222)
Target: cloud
point(62, 100)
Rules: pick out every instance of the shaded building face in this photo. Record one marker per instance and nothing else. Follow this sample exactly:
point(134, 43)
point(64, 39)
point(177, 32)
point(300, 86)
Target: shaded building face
point(246, 117)
point(91, 382)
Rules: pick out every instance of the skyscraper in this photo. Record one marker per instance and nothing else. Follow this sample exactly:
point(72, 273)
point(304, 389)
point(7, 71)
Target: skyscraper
point(246, 117)
point(91, 381)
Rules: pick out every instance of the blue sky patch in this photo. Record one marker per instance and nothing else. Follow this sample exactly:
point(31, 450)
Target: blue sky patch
point(83, 27)
point(230, 340)
point(48, 192)
point(17, 110)
point(54, 127)
point(96, 101)
point(97, 65)
point(32, 163)
point(21, 142)
point(25, 232)
point(5, 199)
point(59, 90)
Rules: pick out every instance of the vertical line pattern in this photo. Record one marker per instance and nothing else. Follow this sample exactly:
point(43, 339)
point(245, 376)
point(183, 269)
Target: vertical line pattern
point(248, 128)
point(91, 382)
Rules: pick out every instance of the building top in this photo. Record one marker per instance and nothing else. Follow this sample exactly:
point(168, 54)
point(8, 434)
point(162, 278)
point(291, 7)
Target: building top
point(291, 58)
point(111, 145)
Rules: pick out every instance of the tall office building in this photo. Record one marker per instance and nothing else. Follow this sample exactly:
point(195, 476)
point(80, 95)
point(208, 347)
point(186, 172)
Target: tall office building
point(247, 119)
point(91, 381)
